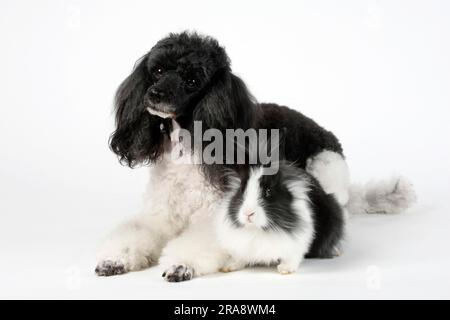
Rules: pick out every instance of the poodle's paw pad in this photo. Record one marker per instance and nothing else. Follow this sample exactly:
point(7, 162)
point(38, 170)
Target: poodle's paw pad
point(178, 273)
point(110, 268)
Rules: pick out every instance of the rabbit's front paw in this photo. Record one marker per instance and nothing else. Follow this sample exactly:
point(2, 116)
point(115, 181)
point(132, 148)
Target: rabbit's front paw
point(232, 265)
point(287, 268)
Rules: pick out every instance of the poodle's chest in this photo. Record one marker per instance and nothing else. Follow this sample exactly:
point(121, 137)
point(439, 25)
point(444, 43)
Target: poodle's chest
point(181, 190)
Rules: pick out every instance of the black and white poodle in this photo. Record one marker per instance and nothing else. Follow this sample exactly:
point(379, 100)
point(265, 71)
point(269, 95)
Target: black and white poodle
point(186, 78)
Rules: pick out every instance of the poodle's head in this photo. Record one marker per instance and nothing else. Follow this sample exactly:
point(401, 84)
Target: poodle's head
point(180, 67)
point(185, 76)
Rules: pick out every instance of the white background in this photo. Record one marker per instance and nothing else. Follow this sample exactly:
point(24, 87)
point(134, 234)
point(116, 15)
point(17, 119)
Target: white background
point(377, 73)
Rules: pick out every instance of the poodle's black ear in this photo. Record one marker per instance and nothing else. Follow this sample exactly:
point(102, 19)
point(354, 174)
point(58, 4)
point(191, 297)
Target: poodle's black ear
point(227, 104)
point(282, 133)
point(138, 137)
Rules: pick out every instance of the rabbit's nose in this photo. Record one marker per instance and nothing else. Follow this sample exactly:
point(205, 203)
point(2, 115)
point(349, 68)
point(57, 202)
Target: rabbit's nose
point(249, 213)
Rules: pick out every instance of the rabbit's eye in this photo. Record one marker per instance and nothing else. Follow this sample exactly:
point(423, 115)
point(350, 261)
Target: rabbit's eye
point(268, 192)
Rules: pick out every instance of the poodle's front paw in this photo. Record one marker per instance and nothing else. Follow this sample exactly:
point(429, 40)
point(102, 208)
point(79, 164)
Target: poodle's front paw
point(178, 273)
point(110, 268)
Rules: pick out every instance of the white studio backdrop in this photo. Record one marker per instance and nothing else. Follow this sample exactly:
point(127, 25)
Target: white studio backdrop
point(377, 73)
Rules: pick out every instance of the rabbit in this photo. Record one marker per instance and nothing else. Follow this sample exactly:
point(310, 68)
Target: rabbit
point(277, 219)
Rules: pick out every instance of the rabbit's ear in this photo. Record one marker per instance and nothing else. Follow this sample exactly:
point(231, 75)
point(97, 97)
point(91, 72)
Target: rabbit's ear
point(232, 178)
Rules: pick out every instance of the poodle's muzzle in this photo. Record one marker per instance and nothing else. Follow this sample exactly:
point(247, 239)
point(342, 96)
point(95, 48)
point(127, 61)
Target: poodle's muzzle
point(165, 97)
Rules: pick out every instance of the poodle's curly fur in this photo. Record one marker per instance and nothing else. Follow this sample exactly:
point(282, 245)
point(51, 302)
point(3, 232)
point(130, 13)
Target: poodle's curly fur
point(189, 77)
point(184, 78)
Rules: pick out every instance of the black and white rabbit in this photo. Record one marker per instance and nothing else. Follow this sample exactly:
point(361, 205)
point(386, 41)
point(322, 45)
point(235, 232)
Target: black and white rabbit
point(277, 219)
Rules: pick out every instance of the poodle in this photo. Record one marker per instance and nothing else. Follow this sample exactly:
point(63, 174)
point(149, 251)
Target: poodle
point(185, 79)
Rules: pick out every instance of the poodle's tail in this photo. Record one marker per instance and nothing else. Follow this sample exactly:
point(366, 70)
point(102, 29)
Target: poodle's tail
point(392, 195)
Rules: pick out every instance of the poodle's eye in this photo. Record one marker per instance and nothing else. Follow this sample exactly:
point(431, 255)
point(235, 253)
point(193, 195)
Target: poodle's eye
point(268, 193)
point(158, 71)
point(191, 83)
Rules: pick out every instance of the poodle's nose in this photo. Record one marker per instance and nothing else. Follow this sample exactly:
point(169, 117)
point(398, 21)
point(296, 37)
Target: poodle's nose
point(156, 95)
